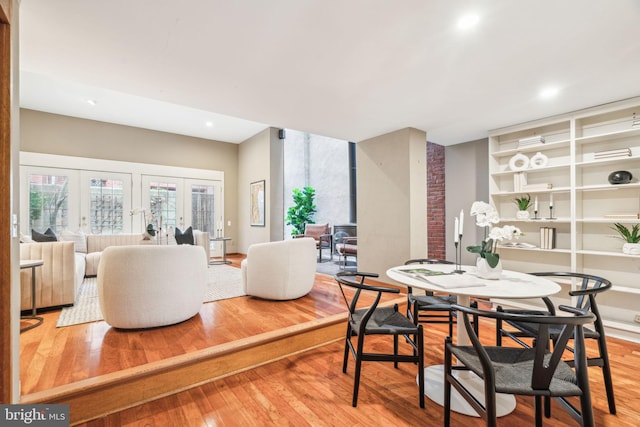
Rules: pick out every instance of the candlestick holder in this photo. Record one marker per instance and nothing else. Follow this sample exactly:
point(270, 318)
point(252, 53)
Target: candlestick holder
point(458, 246)
point(551, 213)
point(535, 214)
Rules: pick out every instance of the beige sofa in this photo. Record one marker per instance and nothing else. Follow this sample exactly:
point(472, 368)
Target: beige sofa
point(66, 265)
point(57, 280)
point(96, 243)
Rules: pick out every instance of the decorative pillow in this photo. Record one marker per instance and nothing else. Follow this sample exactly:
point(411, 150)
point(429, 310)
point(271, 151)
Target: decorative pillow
point(184, 237)
point(47, 236)
point(25, 239)
point(79, 239)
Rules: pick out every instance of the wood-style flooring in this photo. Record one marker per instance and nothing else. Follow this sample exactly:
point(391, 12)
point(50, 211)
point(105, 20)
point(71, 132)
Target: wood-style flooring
point(307, 388)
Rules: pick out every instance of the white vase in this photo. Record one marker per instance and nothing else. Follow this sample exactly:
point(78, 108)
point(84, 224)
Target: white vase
point(522, 214)
point(484, 271)
point(631, 248)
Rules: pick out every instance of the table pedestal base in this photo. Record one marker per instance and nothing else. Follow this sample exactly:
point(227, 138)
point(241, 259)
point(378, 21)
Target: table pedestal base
point(434, 390)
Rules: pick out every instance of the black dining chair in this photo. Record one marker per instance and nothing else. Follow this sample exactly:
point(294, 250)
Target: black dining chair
point(536, 371)
point(431, 308)
point(375, 319)
point(585, 296)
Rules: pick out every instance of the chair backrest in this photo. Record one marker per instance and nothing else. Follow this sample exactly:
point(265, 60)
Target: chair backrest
point(356, 279)
point(427, 261)
point(280, 270)
point(590, 287)
point(316, 230)
point(571, 327)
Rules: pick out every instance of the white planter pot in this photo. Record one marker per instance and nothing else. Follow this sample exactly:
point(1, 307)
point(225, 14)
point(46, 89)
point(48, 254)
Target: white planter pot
point(485, 272)
point(522, 215)
point(631, 248)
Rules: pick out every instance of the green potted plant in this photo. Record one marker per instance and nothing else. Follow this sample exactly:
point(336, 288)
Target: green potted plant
point(523, 203)
point(302, 211)
point(631, 237)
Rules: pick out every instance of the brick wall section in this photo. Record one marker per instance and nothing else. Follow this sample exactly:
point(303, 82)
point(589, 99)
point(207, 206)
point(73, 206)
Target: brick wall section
point(436, 201)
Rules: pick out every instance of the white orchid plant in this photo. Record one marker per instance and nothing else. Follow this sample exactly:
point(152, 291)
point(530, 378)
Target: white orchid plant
point(486, 215)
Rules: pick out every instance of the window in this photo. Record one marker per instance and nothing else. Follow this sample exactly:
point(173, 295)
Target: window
point(163, 204)
point(106, 202)
point(203, 207)
point(48, 202)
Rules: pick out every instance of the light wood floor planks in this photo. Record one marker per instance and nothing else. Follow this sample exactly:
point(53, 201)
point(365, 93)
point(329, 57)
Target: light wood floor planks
point(303, 389)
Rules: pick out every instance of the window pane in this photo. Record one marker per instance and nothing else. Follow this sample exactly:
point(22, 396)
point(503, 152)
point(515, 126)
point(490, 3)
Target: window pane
point(162, 200)
point(106, 208)
point(202, 208)
point(48, 202)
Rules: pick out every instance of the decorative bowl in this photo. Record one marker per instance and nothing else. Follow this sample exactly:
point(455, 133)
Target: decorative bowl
point(620, 177)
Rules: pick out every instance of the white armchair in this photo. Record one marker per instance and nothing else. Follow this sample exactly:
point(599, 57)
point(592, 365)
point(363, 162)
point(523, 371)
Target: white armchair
point(145, 286)
point(280, 270)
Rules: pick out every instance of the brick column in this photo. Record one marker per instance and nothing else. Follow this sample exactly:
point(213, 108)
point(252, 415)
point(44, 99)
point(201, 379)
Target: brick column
point(436, 201)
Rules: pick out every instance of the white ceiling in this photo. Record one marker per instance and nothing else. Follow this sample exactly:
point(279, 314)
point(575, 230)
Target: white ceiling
point(348, 69)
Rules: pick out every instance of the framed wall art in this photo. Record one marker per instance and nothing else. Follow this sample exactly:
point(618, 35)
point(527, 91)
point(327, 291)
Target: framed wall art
point(256, 193)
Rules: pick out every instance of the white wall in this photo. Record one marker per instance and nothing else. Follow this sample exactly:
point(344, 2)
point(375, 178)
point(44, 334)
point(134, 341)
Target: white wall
point(467, 180)
point(260, 158)
point(392, 209)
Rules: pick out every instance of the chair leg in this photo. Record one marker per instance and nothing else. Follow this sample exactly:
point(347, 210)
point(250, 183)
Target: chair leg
point(356, 379)
point(537, 409)
point(345, 360)
point(420, 345)
point(395, 350)
point(447, 384)
point(606, 373)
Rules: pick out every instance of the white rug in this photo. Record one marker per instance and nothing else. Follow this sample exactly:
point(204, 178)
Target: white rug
point(223, 282)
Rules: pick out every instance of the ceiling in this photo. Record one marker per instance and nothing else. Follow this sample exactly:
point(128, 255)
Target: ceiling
point(345, 69)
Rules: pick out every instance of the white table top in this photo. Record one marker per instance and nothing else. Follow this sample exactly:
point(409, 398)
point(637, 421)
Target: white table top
point(511, 284)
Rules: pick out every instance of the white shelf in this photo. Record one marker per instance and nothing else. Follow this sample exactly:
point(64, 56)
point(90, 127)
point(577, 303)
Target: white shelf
point(584, 198)
point(606, 253)
point(608, 187)
point(606, 136)
point(532, 170)
point(532, 148)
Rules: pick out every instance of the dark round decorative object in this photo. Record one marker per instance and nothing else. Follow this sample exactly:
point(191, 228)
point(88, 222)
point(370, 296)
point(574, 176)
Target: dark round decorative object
point(620, 177)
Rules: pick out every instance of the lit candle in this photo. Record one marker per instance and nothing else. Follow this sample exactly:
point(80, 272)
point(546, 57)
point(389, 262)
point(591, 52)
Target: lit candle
point(456, 230)
point(535, 204)
point(550, 200)
point(461, 221)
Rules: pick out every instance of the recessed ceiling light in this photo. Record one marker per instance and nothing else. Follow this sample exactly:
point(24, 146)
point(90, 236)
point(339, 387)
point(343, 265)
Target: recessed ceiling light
point(209, 124)
point(468, 21)
point(92, 102)
point(549, 92)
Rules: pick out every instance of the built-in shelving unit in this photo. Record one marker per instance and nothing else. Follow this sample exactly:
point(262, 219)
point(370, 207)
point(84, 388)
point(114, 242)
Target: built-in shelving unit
point(579, 151)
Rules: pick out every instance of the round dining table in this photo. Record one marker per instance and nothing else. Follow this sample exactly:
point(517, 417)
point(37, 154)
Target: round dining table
point(464, 284)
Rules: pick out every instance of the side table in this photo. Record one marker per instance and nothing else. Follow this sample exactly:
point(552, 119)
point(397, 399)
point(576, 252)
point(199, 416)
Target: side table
point(32, 264)
point(224, 241)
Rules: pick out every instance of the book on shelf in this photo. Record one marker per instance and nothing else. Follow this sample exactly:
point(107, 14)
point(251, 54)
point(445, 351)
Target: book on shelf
point(537, 187)
point(521, 245)
point(623, 216)
point(621, 152)
point(547, 238)
point(519, 181)
point(538, 139)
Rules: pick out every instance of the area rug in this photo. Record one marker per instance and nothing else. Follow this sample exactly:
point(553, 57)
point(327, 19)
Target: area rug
point(223, 282)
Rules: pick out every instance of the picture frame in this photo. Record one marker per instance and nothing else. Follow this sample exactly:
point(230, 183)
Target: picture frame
point(257, 203)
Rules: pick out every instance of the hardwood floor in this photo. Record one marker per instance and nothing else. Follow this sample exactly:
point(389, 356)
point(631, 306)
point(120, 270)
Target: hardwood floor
point(307, 388)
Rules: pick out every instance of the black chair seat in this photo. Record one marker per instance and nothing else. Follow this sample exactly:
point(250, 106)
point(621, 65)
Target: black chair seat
point(384, 321)
point(514, 370)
